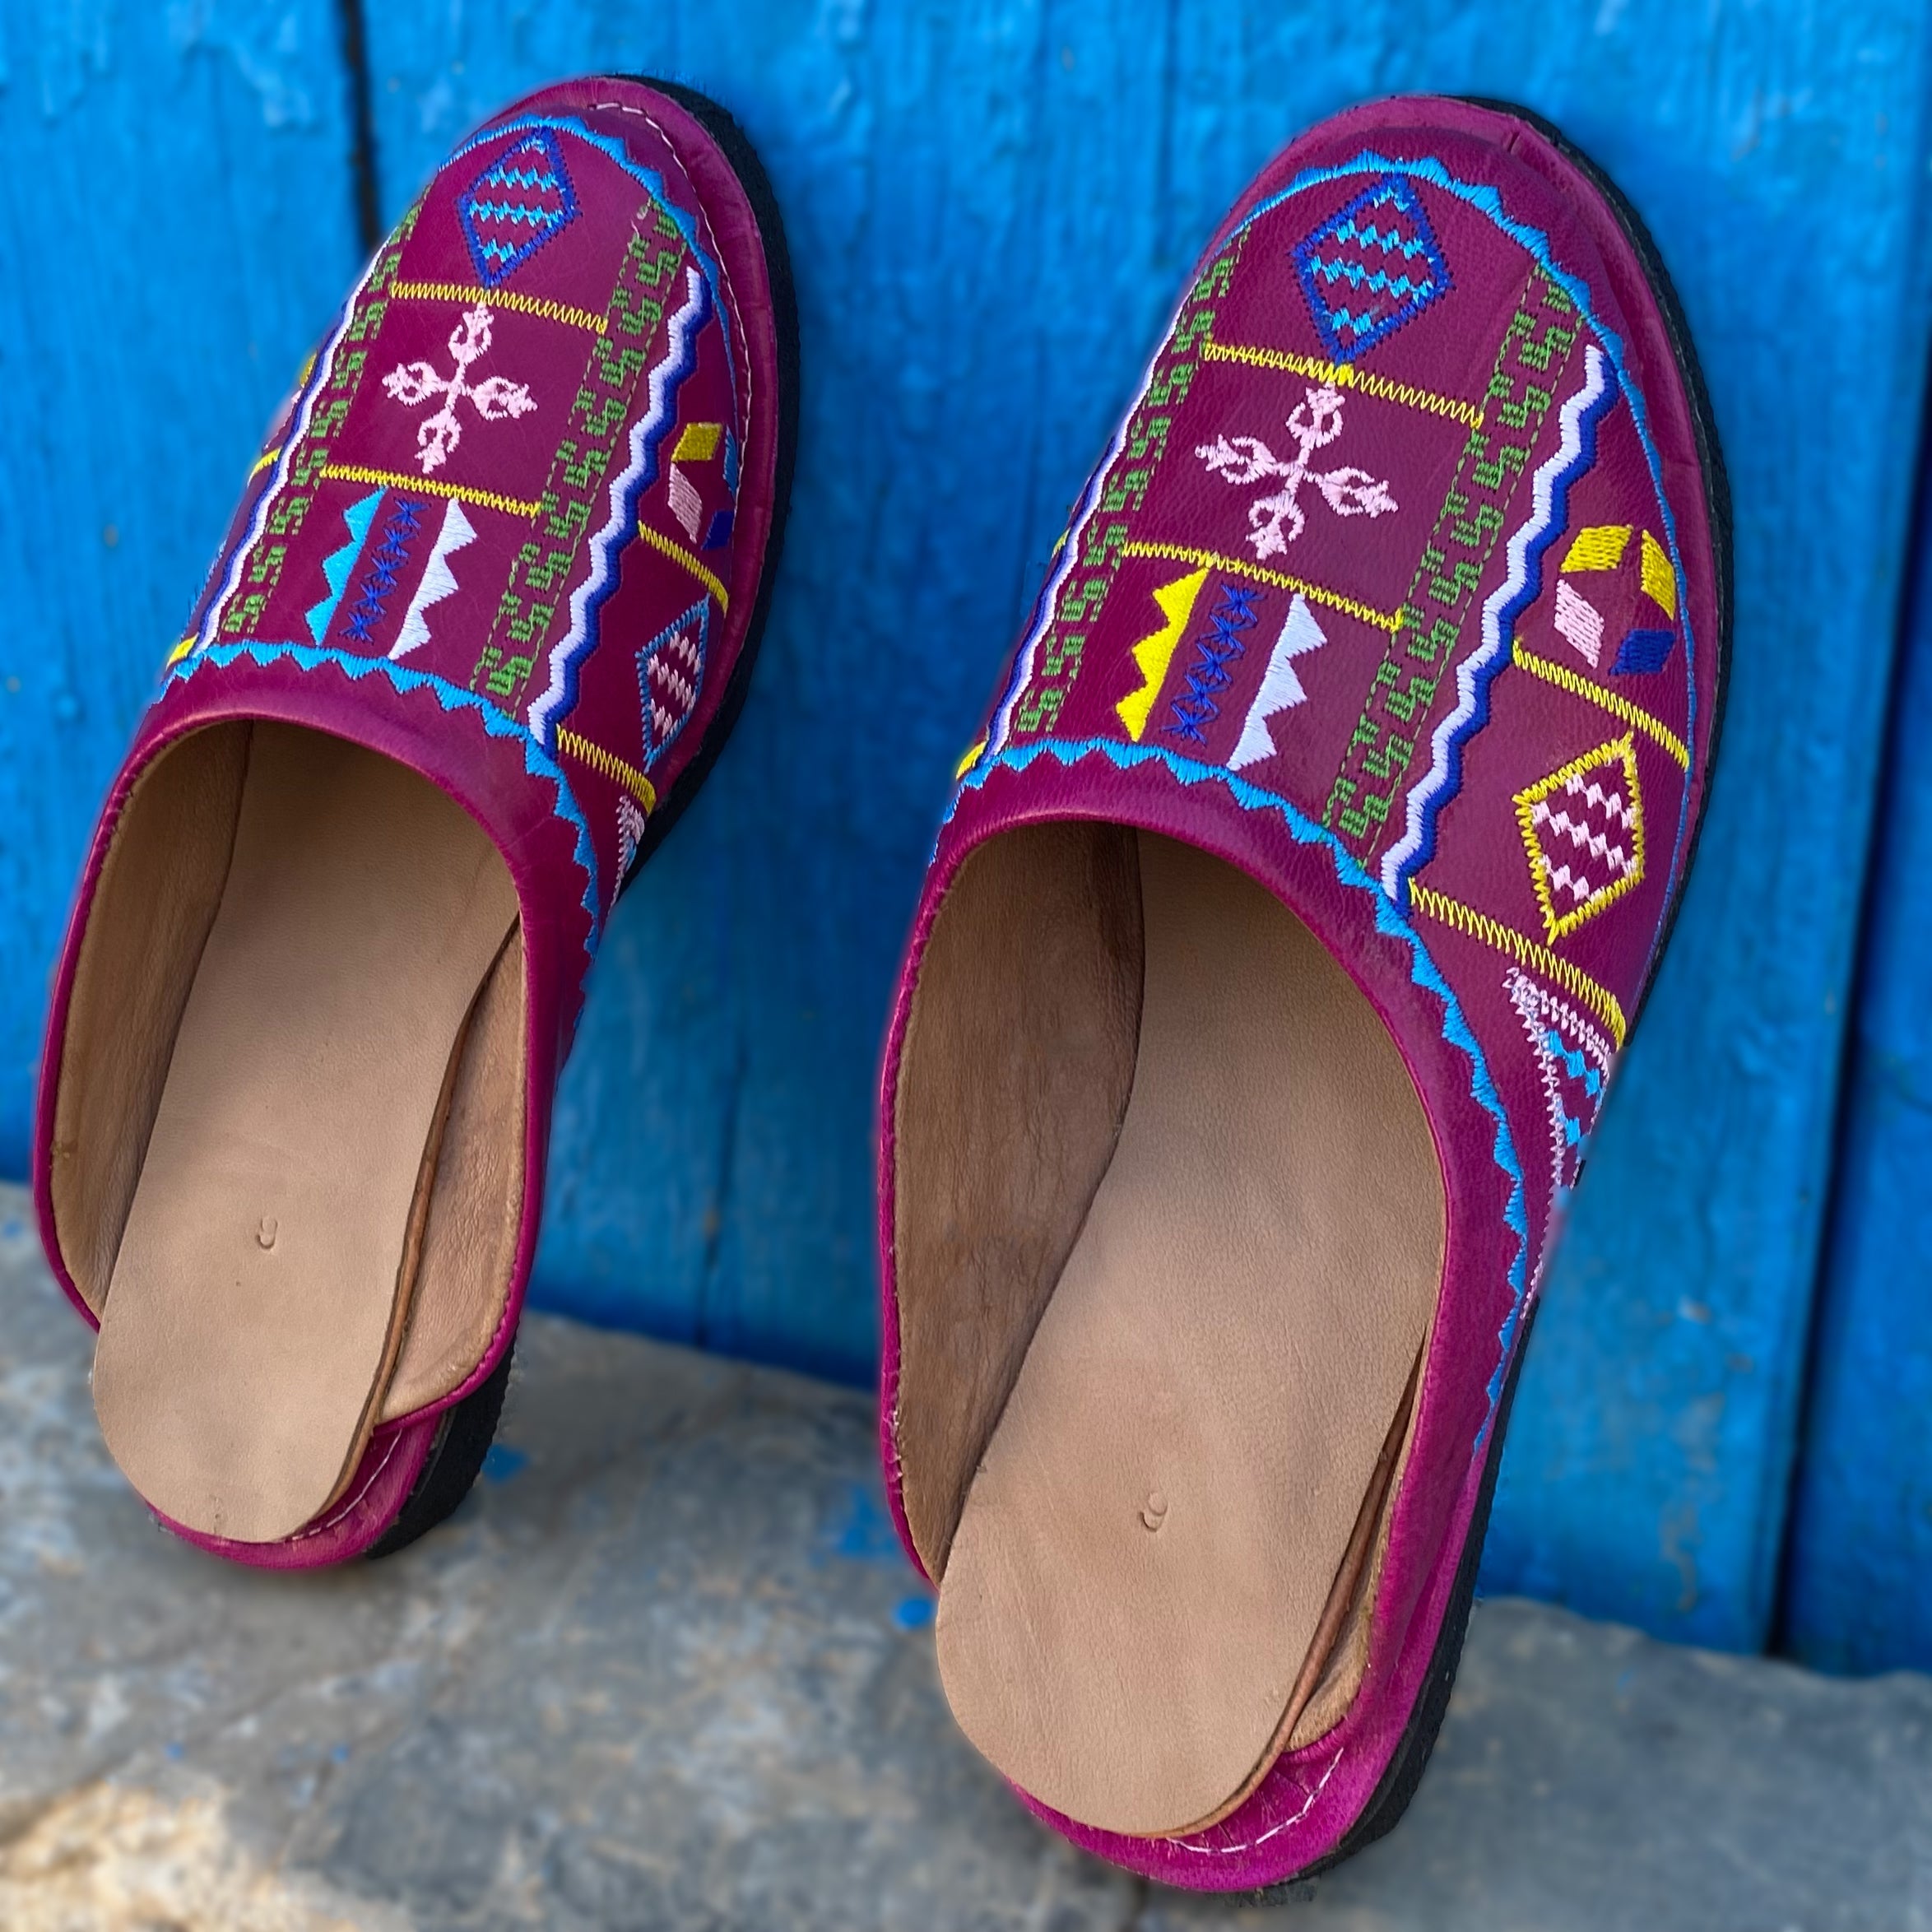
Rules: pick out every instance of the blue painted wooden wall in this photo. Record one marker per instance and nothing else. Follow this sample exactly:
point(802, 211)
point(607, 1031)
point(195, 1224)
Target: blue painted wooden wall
point(990, 206)
point(174, 230)
point(1860, 1573)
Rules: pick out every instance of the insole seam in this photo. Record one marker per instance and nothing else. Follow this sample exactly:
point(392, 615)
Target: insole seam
point(1348, 1577)
point(403, 1308)
point(468, 1246)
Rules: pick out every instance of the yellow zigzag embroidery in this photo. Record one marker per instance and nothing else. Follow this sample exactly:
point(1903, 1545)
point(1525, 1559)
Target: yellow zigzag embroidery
point(1154, 654)
point(1660, 580)
point(969, 760)
point(1344, 375)
point(1599, 546)
point(454, 292)
point(1315, 593)
point(612, 767)
point(1492, 932)
point(1579, 686)
point(395, 480)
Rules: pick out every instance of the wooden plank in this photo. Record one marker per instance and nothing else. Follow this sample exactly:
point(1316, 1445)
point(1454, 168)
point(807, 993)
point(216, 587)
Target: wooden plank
point(1859, 1583)
point(990, 207)
point(174, 229)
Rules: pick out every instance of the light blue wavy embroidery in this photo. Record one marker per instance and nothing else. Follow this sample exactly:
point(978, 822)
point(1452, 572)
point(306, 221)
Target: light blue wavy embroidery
point(1379, 281)
point(338, 563)
point(1370, 236)
point(1388, 920)
point(512, 211)
point(537, 762)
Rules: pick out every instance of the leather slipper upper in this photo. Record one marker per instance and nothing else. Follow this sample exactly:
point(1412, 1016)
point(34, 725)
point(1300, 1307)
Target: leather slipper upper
point(508, 532)
point(1399, 589)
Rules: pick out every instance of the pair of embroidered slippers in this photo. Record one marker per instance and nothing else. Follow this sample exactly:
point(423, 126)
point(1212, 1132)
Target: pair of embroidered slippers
point(1280, 939)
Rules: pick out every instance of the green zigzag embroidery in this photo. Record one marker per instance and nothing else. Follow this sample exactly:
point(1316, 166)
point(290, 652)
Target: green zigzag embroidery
point(338, 565)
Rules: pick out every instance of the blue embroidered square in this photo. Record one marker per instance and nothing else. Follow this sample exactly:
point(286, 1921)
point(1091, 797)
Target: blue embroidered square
point(1370, 268)
point(1642, 652)
point(522, 198)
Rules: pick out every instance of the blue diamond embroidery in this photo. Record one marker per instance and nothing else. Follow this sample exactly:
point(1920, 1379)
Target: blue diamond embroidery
point(1371, 267)
point(516, 205)
point(670, 675)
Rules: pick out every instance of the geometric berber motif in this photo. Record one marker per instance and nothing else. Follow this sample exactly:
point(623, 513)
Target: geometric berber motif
point(670, 674)
point(515, 206)
point(1582, 828)
point(631, 832)
point(540, 618)
point(1371, 267)
point(1243, 460)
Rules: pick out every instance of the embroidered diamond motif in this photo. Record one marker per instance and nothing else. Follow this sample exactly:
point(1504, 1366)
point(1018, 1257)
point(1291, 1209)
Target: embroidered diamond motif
point(1371, 267)
point(670, 674)
point(1574, 1060)
point(515, 206)
point(1583, 827)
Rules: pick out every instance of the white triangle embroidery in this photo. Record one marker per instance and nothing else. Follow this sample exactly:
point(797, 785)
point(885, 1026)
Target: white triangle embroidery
point(438, 580)
point(1281, 686)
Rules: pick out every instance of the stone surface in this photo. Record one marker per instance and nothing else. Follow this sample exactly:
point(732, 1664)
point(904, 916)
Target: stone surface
point(667, 1669)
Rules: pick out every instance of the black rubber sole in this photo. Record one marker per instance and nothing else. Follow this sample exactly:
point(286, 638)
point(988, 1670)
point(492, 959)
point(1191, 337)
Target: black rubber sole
point(1400, 1782)
point(456, 1460)
point(463, 1439)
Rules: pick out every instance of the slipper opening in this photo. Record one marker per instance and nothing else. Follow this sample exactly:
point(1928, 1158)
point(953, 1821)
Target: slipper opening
point(288, 1168)
point(1169, 1231)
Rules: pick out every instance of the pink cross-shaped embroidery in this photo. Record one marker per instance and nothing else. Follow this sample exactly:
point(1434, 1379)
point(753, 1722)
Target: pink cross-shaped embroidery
point(493, 398)
point(1316, 423)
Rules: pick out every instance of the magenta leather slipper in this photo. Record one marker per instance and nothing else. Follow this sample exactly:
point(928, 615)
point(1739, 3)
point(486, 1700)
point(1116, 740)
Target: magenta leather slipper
point(1276, 957)
point(482, 620)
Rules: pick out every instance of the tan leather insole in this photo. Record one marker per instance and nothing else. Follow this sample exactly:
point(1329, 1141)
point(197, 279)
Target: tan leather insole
point(475, 1209)
point(258, 1296)
point(1156, 1527)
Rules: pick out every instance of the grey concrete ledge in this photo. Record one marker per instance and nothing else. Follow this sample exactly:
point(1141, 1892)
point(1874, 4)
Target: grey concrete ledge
point(667, 1669)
